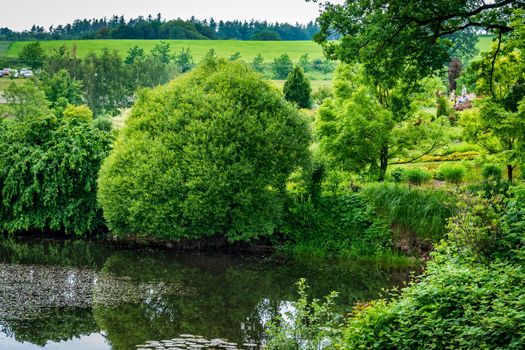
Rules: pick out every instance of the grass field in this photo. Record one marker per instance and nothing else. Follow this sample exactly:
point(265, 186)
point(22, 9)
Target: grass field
point(484, 44)
point(4, 82)
point(4, 46)
point(224, 48)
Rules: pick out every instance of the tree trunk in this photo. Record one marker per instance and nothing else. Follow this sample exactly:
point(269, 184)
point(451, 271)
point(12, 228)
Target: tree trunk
point(383, 158)
point(510, 168)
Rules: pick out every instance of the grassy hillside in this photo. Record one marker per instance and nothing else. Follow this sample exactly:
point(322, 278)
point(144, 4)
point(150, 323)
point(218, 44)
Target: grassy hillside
point(484, 43)
point(4, 46)
point(224, 48)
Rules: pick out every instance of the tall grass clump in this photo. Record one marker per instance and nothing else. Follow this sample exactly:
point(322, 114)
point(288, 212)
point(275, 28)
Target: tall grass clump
point(423, 212)
point(453, 173)
point(416, 176)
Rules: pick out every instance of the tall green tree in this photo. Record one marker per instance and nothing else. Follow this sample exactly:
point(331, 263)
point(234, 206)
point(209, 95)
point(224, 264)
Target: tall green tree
point(282, 66)
point(258, 63)
point(184, 60)
point(365, 127)
point(134, 54)
point(208, 154)
point(106, 83)
point(33, 55)
point(499, 126)
point(398, 38)
point(297, 88)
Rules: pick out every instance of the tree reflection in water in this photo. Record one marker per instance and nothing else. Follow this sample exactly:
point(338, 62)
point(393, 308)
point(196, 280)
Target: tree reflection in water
point(57, 291)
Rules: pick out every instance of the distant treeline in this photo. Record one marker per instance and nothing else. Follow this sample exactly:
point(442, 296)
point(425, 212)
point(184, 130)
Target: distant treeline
point(159, 28)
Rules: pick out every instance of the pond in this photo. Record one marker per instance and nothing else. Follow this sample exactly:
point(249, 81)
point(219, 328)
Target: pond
point(87, 295)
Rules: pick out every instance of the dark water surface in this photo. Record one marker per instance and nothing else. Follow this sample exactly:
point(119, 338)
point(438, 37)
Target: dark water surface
point(80, 295)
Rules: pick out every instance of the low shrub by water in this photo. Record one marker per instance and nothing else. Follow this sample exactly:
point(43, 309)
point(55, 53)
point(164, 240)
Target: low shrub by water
point(423, 212)
point(335, 225)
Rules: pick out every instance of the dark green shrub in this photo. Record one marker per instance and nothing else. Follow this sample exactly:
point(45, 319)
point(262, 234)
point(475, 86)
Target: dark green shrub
point(491, 172)
point(396, 174)
point(297, 88)
point(208, 154)
point(416, 176)
point(453, 173)
point(336, 225)
point(48, 172)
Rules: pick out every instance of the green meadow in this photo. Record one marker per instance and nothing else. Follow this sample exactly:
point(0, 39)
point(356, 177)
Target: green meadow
point(224, 48)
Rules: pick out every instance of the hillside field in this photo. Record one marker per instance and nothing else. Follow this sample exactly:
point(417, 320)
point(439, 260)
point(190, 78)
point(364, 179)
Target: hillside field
point(224, 48)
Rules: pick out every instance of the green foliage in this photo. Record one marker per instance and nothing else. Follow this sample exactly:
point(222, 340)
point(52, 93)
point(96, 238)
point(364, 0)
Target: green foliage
point(491, 172)
point(162, 52)
point(282, 66)
point(471, 295)
point(322, 94)
point(48, 172)
point(81, 113)
point(258, 63)
point(297, 88)
point(453, 173)
point(266, 35)
point(26, 101)
point(236, 56)
point(208, 154)
point(406, 39)
point(105, 82)
point(312, 325)
point(304, 62)
point(364, 127)
point(184, 60)
point(33, 55)
point(416, 176)
point(135, 54)
point(423, 212)
point(499, 125)
point(60, 88)
point(335, 226)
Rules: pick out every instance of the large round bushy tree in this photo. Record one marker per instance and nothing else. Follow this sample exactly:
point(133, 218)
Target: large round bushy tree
point(208, 154)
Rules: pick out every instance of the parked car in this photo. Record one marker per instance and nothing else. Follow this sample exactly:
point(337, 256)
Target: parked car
point(5, 72)
point(26, 73)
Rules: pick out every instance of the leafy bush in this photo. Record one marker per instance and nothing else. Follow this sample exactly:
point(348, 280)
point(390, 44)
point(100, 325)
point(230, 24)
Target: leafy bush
point(422, 212)
point(454, 306)
point(491, 172)
point(453, 173)
point(336, 225)
point(48, 171)
point(471, 295)
point(416, 176)
point(310, 326)
point(397, 174)
point(208, 154)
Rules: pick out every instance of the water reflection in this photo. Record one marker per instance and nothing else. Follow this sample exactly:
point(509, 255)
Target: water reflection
point(55, 293)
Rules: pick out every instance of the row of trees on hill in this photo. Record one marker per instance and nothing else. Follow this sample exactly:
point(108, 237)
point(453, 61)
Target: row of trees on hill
point(160, 28)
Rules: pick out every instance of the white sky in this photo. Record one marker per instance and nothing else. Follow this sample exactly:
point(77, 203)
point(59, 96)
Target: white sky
point(22, 14)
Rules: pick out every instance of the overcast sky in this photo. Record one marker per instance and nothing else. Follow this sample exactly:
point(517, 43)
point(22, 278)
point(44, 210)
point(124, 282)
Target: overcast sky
point(22, 14)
